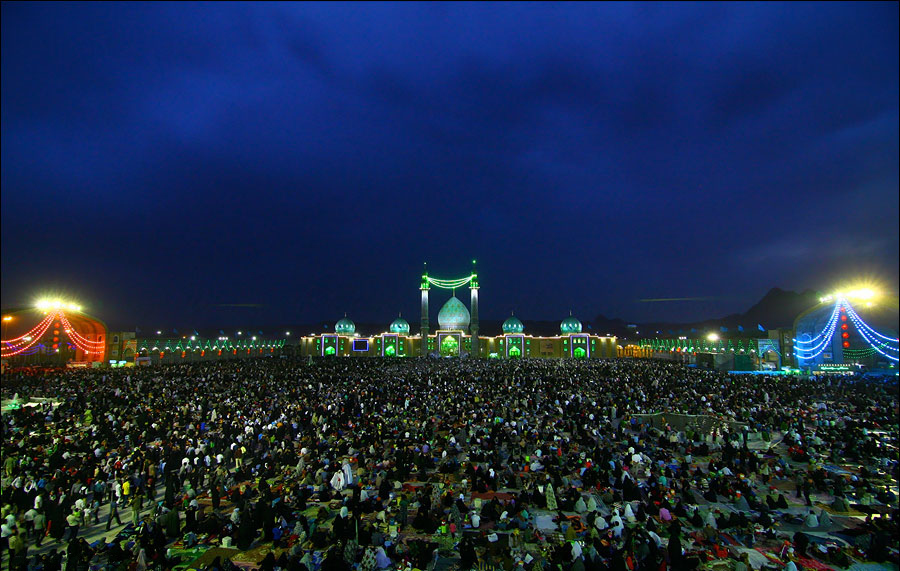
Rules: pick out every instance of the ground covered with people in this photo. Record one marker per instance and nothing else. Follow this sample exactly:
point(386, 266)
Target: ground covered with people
point(617, 465)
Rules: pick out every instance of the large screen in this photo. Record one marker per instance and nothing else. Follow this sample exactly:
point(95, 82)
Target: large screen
point(360, 344)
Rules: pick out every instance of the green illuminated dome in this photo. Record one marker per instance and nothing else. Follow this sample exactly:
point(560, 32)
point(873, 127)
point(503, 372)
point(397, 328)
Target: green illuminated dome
point(513, 325)
point(345, 326)
point(400, 326)
point(454, 316)
point(570, 325)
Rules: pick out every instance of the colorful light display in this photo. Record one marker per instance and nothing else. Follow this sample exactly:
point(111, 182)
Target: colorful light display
point(884, 345)
point(54, 315)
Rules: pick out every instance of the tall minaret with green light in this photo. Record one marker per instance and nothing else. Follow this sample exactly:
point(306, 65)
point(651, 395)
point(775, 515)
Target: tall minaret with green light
point(423, 330)
point(473, 324)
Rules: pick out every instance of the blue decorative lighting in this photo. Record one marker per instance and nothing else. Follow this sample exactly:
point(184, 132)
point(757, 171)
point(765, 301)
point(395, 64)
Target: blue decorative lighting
point(870, 334)
point(824, 338)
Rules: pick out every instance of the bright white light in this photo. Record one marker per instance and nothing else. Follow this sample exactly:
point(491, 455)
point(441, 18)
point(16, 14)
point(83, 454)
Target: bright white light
point(863, 293)
point(47, 304)
point(713, 337)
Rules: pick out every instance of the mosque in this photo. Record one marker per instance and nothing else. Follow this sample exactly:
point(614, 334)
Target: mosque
point(458, 335)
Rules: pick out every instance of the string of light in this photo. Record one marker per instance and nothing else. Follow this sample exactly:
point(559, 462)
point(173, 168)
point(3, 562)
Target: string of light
point(872, 344)
point(30, 334)
point(864, 330)
point(825, 335)
point(857, 319)
point(77, 340)
point(449, 284)
point(86, 349)
point(14, 349)
point(833, 319)
point(75, 336)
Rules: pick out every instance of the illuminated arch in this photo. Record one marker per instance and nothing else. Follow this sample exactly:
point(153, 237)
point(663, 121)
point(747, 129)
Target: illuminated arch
point(56, 333)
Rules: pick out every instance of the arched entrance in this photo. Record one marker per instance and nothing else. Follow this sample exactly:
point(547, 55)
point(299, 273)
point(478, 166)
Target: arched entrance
point(449, 346)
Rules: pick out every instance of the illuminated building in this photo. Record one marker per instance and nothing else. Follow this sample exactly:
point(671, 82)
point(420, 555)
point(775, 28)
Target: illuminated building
point(53, 333)
point(857, 327)
point(160, 350)
point(458, 334)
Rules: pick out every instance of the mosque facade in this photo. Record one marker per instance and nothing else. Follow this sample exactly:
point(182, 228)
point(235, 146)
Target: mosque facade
point(457, 335)
point(455, 338)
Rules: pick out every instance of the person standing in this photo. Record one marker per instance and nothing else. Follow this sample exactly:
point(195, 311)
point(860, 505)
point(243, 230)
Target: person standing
point(137, 503)
point(126, 491)
point(216, 498)
point(6, 531)
point(73, 521)
point(40, 526)
point(113, 512)
point(18, 550)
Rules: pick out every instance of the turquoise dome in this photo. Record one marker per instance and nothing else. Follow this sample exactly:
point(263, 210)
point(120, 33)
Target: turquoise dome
point(513, 325)
point(400, 326)
point(454, 316)
point(570, 325)
point(345, 326)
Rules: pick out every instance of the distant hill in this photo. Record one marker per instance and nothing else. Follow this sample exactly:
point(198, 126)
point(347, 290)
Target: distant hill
point(780, 308)
point(777, 309)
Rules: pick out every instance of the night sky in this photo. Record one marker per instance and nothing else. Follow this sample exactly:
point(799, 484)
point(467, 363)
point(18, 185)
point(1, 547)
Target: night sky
point(177, 165)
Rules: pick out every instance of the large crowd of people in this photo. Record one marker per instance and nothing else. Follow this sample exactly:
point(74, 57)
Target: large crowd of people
point(619, 465)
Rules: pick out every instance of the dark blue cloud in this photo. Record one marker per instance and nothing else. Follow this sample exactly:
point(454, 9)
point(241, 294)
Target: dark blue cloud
point(161, 160)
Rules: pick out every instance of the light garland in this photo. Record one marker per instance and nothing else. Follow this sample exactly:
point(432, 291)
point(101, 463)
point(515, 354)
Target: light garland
point(83, 343)
point(47, 319)
point(865, 331)
point(856, 318)
point(834, 317)
point(13, 347)
point(86, 349)
point(12, 351)
point(872, 344)
point(449, 284)
point(825, 335)
point(70, 330)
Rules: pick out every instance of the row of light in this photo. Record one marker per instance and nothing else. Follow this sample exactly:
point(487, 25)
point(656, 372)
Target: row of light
point(824, 338)
point(73, 333)
point(11, 349)
point(159, 332)
point(855, 317)
point(866, 331)
point(831, 321)
point(449, 284)
point(30, 334)
point(212, 344)
point(83, 343)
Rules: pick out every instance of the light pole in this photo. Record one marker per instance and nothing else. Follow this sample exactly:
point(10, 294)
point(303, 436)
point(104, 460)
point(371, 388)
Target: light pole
point(7, 319)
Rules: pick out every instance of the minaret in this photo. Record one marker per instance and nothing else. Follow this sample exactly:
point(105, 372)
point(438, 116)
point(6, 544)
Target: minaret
point(424, 325)
point(473, 323)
